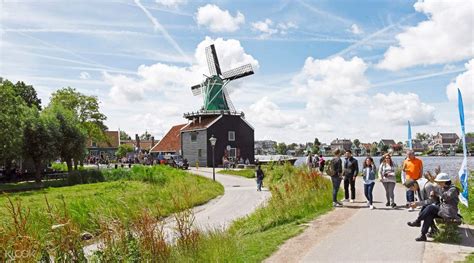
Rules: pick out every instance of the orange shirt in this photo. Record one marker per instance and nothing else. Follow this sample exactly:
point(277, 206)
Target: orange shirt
point(413, 168)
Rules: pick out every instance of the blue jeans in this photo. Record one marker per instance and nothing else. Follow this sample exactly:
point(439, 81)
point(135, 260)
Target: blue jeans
point(259, 185)
point(368, 189)
point(410, 196)
point(336, 183)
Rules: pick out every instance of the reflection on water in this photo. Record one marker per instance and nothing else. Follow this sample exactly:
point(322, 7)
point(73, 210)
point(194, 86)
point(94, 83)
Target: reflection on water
point(450, 164)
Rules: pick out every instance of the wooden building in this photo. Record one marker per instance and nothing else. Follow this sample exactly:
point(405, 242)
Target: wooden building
point(235, 138)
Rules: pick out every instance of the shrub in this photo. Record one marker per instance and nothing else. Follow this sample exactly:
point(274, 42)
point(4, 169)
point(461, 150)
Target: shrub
point(85, 177)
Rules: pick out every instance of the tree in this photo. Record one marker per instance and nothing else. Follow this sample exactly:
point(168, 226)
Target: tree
point(71, 143)
point(146, 136)
point(422, 136)
point(317, 142)
point(12, 119)
point(123, 150)
point(124, 136)
point(86, 109)
point(281, 148)
point(356, 142)
point(40, 139)
point(373, 150)
point(384, 148)
point(26, 92)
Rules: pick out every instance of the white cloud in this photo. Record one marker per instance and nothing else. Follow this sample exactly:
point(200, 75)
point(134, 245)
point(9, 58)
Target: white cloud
point(84, 75)
point(266, 28)
point(169, 79)
point(398, 108)
point(218, 20)
point(356, 30)
point(171, 3)
point(464, 82)
point(332, 84)
point(446, 36)
point(266, 113)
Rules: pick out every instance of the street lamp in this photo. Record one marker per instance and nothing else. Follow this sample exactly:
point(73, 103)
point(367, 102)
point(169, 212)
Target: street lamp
point(213, 141)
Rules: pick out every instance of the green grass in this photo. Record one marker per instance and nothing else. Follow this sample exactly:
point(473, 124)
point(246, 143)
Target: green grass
point(468, 212)
point(122, 198)
point(469, 259)
point(297, 197)
point(22, 186)
point(247, 173)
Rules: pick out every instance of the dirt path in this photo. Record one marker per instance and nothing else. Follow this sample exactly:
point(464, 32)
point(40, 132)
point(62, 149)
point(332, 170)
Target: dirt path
point(356, 234)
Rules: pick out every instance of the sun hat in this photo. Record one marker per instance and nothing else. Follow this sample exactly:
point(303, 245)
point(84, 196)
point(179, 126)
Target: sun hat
point(442, 177)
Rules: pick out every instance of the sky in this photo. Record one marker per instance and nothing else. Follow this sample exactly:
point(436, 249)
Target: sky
point(325, 69)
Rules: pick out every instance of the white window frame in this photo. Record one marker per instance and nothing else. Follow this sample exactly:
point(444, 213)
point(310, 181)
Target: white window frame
point(229, 136)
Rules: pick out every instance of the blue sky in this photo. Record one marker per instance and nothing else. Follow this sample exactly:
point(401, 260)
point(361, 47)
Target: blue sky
point(327, 69)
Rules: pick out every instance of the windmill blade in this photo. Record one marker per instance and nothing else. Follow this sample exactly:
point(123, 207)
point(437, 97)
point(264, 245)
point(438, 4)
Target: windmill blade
point(212, 61)
point(196, 89)
point(227, 99)
point(238, 73)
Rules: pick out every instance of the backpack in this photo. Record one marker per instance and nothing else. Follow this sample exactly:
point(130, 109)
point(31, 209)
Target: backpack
point(330, 168)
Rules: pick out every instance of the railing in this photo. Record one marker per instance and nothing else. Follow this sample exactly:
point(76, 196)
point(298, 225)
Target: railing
point(213, 112)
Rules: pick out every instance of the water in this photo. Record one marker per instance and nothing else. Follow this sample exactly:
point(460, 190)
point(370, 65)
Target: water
point(449, 164)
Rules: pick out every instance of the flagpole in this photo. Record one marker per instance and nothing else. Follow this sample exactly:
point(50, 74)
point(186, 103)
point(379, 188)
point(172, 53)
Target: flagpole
point(463, 172)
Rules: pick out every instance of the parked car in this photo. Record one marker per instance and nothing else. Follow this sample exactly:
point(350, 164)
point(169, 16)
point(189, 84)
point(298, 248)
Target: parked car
point(176, 161)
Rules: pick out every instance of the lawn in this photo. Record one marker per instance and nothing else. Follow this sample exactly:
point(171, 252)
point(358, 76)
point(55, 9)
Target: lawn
point(247, 173)
point(122, 196)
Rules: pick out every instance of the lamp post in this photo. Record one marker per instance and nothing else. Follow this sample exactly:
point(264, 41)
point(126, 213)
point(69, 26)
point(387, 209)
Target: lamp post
point(213, 141)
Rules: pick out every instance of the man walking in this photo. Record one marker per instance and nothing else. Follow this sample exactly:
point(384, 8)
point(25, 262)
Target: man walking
point(350, 171)
point(335, 171)
point(413, 168)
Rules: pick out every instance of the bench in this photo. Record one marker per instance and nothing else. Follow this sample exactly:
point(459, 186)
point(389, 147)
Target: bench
point(448, 230)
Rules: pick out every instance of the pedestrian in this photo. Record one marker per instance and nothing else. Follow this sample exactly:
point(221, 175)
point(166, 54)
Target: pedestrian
point(448, 208)
point(413, 168)
point(350, 171)
point(315, 162)
point(322, 163)
point(335, 171)
point(309, 160)
point(387, 177)
point(368, 174)
point(260, 176)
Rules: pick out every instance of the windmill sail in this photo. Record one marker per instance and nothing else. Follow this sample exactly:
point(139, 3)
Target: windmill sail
point(238, 73)
point(212, 61)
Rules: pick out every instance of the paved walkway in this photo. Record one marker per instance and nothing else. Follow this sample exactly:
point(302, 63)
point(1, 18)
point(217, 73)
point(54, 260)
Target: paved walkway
point(240, 199)
point(356, 234)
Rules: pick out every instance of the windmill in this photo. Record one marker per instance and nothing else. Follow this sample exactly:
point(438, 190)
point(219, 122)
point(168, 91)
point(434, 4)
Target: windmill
point(214, 87)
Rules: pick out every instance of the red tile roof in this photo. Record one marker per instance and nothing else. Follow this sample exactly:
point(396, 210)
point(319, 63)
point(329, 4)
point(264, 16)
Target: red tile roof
point(198, 125)
point(171, 142)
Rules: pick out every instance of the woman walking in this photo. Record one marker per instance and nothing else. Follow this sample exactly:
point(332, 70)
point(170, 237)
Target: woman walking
point(260, 176)
point(368, 174)
point(387, 177)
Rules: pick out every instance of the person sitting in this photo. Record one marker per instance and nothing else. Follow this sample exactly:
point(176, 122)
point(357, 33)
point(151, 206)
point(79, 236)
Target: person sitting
point(448, 209)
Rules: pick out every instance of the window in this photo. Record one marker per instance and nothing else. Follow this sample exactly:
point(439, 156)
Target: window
point(94, 144)
point(193, 136)
point(233, 153)
point(199, 153)
point(231, 136)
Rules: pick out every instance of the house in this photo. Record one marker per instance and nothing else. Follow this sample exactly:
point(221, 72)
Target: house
point(106, 149)
point(341, 144)
point(235, 138)
point(417, 146)
point(325, 149)
point(170, 143)
point(444, 142)
point(365, 149)
point(385, 145)
point(265, 147)
point(140, 145)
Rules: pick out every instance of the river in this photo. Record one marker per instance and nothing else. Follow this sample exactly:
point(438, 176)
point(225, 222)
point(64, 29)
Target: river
point(449, 164)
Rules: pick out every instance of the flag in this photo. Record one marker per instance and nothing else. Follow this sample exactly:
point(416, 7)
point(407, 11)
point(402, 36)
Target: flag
point(410, 146)
point(463, 175)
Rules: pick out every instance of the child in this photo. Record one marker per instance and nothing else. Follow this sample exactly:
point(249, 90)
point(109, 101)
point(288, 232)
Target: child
point(368, 174)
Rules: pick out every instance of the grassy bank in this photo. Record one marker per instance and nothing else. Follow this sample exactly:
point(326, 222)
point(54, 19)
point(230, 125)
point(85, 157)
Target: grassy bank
point(247, 173)
point(121, 196)
point(468, 212)
point(297, 197)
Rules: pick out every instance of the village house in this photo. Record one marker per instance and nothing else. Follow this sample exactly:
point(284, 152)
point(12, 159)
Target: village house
point(341, 144)
point(170, 143)
point(139, 145)
point(444, 143)
point(265, 147)
point(104, 150)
